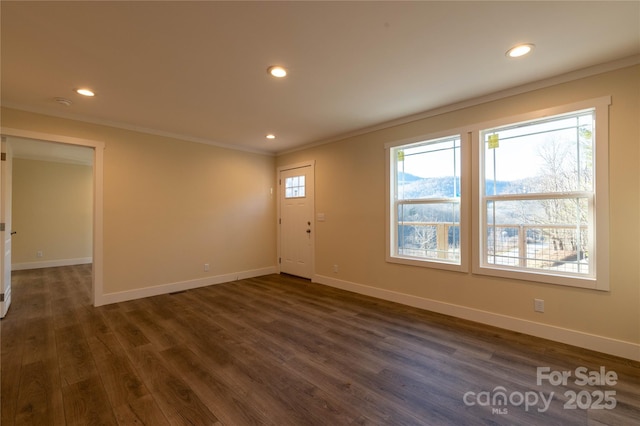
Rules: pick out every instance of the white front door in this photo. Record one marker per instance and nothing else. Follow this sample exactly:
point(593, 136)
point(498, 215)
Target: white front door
point(5, 228)
point(297, 232)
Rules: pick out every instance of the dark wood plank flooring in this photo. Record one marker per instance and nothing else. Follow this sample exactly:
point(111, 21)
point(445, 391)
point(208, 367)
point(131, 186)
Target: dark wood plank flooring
point(279, 350)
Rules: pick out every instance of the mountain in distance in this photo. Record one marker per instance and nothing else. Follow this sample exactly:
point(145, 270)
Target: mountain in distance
point(408, 177)
point(415, 187)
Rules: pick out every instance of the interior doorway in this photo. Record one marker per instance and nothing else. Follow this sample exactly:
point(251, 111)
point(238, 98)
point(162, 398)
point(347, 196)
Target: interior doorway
point(49, 145)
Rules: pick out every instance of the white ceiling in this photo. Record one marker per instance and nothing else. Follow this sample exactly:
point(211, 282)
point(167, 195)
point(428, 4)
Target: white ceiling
point(198, 69)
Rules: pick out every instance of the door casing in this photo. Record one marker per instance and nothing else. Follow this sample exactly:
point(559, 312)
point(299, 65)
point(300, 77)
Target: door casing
point(5, 233)
point(98, 184)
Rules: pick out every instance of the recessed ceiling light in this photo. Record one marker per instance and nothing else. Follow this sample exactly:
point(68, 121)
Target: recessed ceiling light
point(271, 136)
point(277, 71)
point(520, 50)
point(85, 92)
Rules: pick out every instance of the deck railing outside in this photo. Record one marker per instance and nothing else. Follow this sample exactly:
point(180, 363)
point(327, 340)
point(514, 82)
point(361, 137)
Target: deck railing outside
point(550, 246)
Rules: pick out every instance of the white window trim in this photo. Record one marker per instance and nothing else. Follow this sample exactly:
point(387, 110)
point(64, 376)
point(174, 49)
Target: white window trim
point(465, 189)
point(471, 219)
point(600, 278)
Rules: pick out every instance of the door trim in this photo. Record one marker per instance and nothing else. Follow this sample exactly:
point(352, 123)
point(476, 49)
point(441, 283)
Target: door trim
point(98, 188)
point(312, 164)
point(6, 185)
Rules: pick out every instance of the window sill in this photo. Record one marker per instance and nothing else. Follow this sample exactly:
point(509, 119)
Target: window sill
point(587, 282)
point(427, 263)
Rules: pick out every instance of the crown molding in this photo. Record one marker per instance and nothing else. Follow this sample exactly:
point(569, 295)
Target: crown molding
point(529, 87)
point(130, 127)
point(502, 94)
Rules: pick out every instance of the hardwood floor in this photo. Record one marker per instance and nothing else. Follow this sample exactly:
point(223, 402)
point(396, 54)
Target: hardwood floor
point(279, 350)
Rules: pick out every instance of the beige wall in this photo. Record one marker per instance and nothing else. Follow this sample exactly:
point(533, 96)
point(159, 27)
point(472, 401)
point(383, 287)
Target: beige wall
point(170, 206)
point(350, 190)
point(52, 212)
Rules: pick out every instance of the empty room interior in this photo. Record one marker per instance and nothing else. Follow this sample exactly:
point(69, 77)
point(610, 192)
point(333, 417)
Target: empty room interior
point(230, 213)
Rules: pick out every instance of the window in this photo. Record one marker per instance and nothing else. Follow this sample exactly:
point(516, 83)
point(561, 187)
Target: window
point(426, 207)
point(294, 187)
point(537, 198)
point(538, 204)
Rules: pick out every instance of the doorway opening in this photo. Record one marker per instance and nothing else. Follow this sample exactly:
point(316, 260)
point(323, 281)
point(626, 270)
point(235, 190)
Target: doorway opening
point(55, 149)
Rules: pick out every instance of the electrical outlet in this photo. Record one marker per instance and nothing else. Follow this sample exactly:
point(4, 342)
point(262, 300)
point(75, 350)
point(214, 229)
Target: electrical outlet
point(206, 267)
point(538, 305)
point(39, 253)
point(335, 269)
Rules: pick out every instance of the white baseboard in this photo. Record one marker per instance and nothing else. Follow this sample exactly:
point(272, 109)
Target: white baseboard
point(581, 339)
point(51, 263)
point(123, 296)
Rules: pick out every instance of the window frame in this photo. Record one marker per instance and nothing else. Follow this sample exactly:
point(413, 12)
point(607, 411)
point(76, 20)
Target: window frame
point(391, 204)
point(599, 239)
point(472, 192)
point(297, 187)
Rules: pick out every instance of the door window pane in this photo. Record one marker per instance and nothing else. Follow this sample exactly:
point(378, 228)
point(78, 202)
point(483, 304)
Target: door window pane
point(294, 187)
